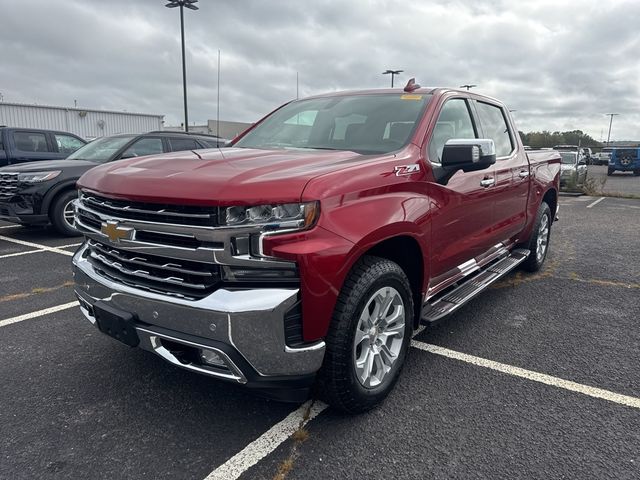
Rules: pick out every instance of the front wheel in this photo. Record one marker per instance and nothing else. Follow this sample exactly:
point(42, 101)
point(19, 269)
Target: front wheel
point(61, 214)
point(538, 243)
point(610, 171)
point(368, 338)
point(637, 172)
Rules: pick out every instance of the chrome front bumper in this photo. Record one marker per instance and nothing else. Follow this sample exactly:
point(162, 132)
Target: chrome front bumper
point(233, 323)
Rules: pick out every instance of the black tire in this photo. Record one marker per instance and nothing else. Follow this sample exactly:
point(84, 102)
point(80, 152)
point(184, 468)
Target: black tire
point(636, 173)
point(338, 384)
point(610, 171)
point(534, 262)
point(57, 212)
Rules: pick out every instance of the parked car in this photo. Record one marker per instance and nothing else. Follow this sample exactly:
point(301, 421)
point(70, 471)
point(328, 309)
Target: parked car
point(19, 145)
point(624, 160)
point(39, 193)
point(602, 157)
point(573, 171)
point(312, 249)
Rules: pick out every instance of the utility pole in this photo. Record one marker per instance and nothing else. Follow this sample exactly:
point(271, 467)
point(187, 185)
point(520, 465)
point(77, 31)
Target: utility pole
point(297, 87)
point(393, 73)
point(190, 5)
point(468, 86)
point(611, 115)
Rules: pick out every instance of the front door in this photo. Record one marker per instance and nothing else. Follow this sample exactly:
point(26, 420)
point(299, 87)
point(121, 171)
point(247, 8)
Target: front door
point(463, 209)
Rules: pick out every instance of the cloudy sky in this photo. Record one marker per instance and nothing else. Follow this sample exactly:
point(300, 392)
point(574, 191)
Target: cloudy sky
point(560, 64)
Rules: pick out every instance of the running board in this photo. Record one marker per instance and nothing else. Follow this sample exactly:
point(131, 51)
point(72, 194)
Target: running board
point(434, 310)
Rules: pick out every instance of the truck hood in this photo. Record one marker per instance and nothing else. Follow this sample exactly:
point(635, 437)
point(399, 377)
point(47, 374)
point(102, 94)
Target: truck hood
point(217, 177)
point(49, 165)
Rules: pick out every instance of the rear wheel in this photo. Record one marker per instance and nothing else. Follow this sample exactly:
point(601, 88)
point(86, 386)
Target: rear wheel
point(61, 214)
point(538, 243)
point(368, 338)
point(637, 172)
point(610, 171)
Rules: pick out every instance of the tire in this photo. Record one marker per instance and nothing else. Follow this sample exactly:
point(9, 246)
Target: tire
point(636, 173)
point(342, 381)
point(57, 214)
point(537, 244)
point(610, 171)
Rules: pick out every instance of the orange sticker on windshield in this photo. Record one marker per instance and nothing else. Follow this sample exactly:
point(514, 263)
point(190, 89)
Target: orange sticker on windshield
point(411, 97)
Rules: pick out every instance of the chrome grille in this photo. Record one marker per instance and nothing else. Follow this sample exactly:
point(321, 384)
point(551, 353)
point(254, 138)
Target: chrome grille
point(178, 278)
point(8, 185)
point(152, 212)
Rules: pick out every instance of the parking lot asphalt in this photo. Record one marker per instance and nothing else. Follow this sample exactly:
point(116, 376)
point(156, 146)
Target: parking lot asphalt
point(624, 183)
point(75, 404)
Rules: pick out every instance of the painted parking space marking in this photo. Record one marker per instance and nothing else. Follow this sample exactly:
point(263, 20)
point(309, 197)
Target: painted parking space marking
point(36, 245)
point(267, 442)
point(39, 313)
point(17, 254)
point(530, 375)
point(591, 205)
point(9, 226)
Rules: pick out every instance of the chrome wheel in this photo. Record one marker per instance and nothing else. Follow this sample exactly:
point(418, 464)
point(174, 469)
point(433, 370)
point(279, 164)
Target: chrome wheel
point(543, 238)
point(68, 214)
point(379, 337)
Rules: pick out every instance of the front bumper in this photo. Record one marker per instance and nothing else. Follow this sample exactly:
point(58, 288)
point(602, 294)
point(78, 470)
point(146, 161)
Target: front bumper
point(243, 326)
point(22, 211)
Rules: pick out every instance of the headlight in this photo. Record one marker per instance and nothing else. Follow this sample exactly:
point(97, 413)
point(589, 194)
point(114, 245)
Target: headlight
point(37, 177)
point(273, 217)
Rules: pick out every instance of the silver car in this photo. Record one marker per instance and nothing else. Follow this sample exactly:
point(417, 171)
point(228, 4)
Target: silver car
point(573, 171)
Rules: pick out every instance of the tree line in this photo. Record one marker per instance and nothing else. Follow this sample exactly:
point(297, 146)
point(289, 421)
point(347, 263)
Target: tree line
point(546, 139)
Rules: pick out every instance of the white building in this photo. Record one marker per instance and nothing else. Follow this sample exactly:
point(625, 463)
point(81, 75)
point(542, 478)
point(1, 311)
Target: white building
point(83, 122)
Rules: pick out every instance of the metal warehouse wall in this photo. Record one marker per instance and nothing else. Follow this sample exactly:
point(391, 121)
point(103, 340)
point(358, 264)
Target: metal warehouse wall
point(82, 122)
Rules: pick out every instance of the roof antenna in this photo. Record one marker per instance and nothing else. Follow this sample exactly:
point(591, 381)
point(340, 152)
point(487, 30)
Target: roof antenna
point(411, 85)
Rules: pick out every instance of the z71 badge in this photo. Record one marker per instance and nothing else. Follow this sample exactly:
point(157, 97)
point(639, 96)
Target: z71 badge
point(406, 169)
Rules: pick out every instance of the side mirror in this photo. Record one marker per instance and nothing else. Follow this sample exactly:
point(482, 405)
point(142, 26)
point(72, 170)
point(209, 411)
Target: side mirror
point(468, 154)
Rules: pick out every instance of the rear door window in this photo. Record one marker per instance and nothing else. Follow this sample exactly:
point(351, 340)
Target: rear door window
point(495, 127)
point(144, 146)
point(30, 142)
point(179, 144)
point(67, 144)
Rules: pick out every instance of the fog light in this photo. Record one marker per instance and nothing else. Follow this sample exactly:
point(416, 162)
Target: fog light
point(211, 358)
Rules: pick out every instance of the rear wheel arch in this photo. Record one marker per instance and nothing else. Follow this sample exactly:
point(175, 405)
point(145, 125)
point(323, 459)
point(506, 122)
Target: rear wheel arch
point(551, 199)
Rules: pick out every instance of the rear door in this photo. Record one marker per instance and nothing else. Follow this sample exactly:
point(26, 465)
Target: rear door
point(179, 144)
point(463, 210)
point(31, 145)
point(511, 189)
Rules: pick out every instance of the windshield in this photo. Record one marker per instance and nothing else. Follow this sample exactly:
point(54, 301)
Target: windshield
point(568, 158)
point(365, 124)
point(101, 150)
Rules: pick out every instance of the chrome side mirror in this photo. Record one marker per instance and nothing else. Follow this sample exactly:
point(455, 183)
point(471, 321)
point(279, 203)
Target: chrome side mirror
point(468, 154)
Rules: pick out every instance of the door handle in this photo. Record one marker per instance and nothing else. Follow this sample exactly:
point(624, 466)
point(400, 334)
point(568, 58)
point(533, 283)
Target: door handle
point(523, 174)
point(487, 182)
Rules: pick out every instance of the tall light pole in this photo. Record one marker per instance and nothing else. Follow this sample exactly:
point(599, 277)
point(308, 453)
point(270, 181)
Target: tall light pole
point(393, 73)
point(468, 86)
point(190, 5)
point(611, 115)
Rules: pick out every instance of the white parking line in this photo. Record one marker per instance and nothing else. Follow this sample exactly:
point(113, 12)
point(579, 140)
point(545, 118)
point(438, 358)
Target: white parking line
point(9, 226)
point(37, 251)
point(530, 375)
point(39, 313)
point(36, 245)
point(266, 443)
point(591, 205)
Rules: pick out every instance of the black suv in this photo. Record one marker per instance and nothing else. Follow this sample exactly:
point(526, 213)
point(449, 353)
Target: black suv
point(18, 145)
point(39, 193)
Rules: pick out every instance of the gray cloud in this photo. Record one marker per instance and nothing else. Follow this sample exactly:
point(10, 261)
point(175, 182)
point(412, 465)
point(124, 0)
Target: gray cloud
point(560, 65)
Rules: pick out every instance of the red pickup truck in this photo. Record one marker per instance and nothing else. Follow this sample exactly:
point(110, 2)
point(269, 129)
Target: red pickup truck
point(310, 251)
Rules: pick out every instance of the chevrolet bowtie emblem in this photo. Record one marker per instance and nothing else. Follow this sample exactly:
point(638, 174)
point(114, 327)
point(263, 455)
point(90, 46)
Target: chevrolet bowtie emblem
point(115, 232)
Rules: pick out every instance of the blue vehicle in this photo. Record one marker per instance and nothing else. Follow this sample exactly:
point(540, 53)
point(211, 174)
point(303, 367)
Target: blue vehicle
point(624, 159)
